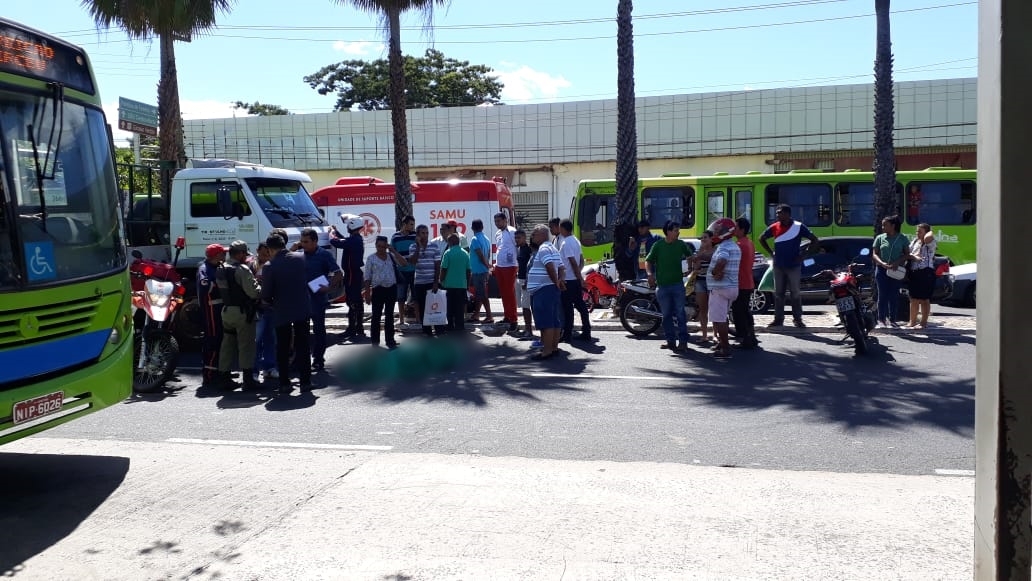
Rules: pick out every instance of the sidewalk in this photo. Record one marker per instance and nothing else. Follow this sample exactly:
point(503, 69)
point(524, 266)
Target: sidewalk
point(252, 511)
point(821, 322)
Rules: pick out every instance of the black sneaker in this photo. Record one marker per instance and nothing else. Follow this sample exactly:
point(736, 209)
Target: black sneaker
point(583, 336)
point(318, 366)
point(513, 327)
point(775, 323)
point(799, 323)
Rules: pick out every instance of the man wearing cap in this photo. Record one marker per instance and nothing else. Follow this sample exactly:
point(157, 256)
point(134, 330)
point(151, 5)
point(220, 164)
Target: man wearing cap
point(240, 292)
point(210, 299)
point(463, 241)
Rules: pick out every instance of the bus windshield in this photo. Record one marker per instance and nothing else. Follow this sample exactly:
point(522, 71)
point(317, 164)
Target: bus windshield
point(285, 202)
point(58, 221)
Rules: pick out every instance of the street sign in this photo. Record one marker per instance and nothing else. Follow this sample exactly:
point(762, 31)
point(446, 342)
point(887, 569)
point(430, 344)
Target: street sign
point(147, 130)
point(137, 112)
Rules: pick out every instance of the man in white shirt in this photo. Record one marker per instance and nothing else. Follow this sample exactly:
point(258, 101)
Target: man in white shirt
point(506, 267)
point(573, 296)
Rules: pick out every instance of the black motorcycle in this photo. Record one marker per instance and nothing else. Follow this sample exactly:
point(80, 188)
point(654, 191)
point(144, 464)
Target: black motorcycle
point(639, 309)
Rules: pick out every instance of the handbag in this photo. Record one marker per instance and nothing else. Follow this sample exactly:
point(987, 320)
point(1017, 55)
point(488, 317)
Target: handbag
point(896, 272)
point(436, 311)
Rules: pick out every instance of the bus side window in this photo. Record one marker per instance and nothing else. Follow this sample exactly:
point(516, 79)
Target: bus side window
point(810, 203)
point(595, 219)
point(941, 203)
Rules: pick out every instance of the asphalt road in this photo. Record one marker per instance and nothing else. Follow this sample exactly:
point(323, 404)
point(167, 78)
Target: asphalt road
point(803, 402)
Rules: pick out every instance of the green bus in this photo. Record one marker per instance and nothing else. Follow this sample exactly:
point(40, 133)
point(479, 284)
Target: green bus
point(65, 325)
point(830, 203)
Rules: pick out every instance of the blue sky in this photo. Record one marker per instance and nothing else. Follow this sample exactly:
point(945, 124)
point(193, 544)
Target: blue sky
point(543, 50)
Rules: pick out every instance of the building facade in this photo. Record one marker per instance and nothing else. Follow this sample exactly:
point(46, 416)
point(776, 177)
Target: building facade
point(544, 150)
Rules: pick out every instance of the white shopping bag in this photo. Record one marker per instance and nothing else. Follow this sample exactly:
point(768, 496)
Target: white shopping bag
point(436, 312)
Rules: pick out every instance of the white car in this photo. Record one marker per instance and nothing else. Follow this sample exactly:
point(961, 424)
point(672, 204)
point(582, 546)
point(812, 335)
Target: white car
point(964, 284)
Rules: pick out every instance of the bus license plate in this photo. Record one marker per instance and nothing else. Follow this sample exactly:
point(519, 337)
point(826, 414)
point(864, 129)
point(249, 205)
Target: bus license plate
point(844, 304)
point(37, 407)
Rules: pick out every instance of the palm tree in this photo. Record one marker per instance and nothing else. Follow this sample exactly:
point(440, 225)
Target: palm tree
point(626, 137)
point(169, 20)
point(390, 11)
point(885, 202)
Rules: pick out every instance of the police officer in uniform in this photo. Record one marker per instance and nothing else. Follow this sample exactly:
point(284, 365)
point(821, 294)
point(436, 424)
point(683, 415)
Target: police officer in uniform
point(240, 293)
point(211, 307)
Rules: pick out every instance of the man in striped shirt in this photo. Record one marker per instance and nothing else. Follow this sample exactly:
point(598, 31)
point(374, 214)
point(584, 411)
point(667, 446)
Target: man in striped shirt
point(426, 258)
point(722, 281)
point(545, 284)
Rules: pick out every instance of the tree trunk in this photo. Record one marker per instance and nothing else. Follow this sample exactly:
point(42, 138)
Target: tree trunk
point(399, 124)
point(626, 139)
point(885, 196)
point(170, 119)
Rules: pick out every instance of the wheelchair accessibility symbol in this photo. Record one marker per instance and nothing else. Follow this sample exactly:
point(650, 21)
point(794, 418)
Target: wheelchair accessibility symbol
point(40, 260)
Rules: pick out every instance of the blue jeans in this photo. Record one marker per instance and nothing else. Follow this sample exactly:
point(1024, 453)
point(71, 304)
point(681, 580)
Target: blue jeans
point(266, 333)
point(888, 295)
point(671, 304)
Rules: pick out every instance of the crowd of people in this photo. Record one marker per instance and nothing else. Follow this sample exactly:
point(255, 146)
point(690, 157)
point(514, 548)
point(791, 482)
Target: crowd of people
point(267, 312)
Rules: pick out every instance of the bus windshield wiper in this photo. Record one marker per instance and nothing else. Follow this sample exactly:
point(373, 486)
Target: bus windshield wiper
point(47, 170)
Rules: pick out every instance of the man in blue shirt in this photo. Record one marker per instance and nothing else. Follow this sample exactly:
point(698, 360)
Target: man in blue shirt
point(319, 262)
point(480, 266)
point(402, 241)
point(351, 262)
point(788, 235)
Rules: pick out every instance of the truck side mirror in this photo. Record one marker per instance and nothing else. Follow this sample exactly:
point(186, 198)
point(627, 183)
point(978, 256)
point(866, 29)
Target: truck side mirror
point(224, 199)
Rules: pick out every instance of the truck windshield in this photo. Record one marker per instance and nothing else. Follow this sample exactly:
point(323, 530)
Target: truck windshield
point(285, 202)
point(59, 216)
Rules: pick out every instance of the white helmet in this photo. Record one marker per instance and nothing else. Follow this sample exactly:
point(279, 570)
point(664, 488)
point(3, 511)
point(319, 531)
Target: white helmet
point(352, 222)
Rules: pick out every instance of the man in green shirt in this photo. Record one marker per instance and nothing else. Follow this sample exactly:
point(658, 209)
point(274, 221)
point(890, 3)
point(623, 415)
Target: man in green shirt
point(663, 264)
point(456, 277)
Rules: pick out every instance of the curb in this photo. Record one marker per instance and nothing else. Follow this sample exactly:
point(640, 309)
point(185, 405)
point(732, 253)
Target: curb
point(609, 327)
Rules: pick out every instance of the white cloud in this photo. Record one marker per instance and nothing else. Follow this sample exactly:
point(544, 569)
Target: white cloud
point(523, 84)
point(358, 47)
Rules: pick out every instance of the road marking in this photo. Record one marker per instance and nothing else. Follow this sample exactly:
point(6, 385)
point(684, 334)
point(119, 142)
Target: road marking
point(361, 447)
point(947, 472)
point(586, 376)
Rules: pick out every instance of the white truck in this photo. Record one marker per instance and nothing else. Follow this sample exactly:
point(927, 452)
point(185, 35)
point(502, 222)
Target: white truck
point(217, 201)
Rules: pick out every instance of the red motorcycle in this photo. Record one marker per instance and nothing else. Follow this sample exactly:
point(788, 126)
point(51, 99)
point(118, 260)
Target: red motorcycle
point(855, 311)
point(158, 290)
point(600, 284)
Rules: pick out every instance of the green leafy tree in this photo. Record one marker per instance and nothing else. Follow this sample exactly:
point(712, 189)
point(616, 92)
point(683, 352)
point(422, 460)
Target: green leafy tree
point(885, 197)
point(390, 11)
point(169, 20)
point(626, 137)
point(261, 109)
point(432, 80)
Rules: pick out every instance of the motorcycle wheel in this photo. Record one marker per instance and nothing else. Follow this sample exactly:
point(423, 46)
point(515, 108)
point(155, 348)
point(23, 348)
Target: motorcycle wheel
point(857, 333)
point(160, 363)
point(638, 324)
point(188, 325)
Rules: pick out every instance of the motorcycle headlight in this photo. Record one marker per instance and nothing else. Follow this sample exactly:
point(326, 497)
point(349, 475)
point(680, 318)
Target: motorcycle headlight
point(158, 300)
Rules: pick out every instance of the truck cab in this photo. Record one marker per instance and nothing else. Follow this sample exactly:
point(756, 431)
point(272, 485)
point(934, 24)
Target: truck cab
point(219, 201)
